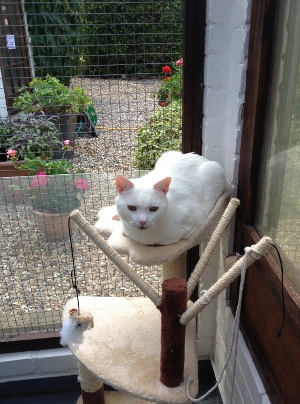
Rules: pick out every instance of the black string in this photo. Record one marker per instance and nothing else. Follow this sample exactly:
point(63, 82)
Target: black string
point(282, 291)
point(73, 272)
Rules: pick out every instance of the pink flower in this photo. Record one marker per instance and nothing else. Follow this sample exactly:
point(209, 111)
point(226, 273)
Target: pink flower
point(67, 146)
point(11, 154)
point(166, 69)
point(39, 180)
point(82, 184)
point(179, 62)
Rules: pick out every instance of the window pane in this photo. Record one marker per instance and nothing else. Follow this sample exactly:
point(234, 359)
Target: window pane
point(278, 212)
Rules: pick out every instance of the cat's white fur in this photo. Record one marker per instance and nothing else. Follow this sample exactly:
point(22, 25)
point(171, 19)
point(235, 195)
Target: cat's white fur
point(170, 202)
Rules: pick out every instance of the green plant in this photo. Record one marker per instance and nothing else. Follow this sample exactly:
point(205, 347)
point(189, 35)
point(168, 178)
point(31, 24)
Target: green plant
point(162, 93)
point(5, 133)
point(31, 135)
point(171, 86)
point(51, 96)
point(71, 37)
point(56, 193)
point(129, 37)
point(54, 37)
point(51, 167)
point(57, 184)
point(162, 133)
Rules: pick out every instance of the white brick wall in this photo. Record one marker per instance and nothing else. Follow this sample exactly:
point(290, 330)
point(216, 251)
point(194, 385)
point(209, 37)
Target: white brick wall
point(225, 76)
point(248, 387)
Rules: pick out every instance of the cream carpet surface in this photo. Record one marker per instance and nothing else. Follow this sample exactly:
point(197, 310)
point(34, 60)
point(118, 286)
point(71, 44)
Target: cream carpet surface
point(123, 347)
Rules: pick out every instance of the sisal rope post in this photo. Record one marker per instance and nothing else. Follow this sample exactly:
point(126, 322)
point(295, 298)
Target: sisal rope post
point(258, 249)
point(92, 388)
point(211, 245)
point(173, 304)
point(175, 268)
point(92, 233)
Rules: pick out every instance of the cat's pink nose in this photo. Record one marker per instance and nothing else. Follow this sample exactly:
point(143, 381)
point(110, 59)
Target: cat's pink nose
point(143, 222)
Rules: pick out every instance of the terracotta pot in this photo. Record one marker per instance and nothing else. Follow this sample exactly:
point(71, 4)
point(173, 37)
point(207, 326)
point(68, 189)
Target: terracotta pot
point(163, 103)
point(7, 169)
point(55, 226)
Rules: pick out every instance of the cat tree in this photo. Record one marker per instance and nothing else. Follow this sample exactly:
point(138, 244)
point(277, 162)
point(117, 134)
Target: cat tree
point(145, 347)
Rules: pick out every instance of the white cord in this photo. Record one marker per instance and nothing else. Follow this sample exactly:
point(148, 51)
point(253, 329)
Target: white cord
point(235, 334)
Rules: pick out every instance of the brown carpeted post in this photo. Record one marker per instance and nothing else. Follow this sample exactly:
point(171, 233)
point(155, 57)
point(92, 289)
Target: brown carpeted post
point(174, 303)
point(92, 388)
point(97, 397)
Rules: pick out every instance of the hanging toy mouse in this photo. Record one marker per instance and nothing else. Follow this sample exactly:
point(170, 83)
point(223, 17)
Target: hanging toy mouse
point(75, 323)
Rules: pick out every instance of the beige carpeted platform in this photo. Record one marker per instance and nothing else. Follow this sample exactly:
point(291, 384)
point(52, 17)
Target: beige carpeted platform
point(123, 347)
point(152, 255)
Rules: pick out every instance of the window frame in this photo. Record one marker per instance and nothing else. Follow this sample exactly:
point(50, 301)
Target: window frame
point(277, 358)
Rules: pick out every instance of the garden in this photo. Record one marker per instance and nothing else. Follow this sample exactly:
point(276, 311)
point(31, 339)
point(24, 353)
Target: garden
point(63, 173)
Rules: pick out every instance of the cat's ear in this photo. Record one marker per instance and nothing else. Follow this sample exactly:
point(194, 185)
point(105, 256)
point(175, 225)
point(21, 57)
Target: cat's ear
point(163, 185)
point(123, 184)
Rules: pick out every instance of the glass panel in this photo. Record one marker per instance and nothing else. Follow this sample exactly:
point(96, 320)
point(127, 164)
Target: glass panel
point(278, 211)
point(119, 68)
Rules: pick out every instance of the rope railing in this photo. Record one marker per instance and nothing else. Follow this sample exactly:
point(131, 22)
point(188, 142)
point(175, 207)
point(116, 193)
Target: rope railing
point(258, 250)
point(211, 245)
point(92, 233)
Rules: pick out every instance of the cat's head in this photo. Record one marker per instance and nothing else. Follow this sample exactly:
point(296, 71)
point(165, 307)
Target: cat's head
point(140, 205)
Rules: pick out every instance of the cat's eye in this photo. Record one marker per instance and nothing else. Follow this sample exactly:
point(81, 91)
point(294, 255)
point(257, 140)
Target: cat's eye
point(131, 207)
point(153, 208)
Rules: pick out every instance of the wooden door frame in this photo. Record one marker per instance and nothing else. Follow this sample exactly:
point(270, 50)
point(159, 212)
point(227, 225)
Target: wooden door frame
point(193, 92)
point(260, 56)
point(193, 75)
point(262, 311)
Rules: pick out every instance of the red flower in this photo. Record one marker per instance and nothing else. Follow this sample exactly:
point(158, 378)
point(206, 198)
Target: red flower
point(166, 69)
point(167, 78)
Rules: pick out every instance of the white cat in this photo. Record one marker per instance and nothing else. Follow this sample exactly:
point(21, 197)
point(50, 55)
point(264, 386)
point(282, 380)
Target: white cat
point(170, 202)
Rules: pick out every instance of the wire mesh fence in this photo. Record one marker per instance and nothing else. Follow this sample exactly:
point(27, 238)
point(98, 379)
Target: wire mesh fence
point(108, 58)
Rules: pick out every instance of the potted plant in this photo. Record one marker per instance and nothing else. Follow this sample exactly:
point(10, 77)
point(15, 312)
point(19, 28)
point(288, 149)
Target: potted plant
point(31, 135)
point(54, 194)
point(53, 197)
point(5, 133)
point(54, 98)
point(171, 87)
point(24, 137)
point(162, 95)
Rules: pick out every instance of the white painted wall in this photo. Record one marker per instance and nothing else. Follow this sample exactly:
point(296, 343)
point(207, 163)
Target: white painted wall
point(227, 36)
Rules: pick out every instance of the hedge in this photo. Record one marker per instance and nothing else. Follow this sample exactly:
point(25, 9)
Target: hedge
point(104, 38)
point(163, 132)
